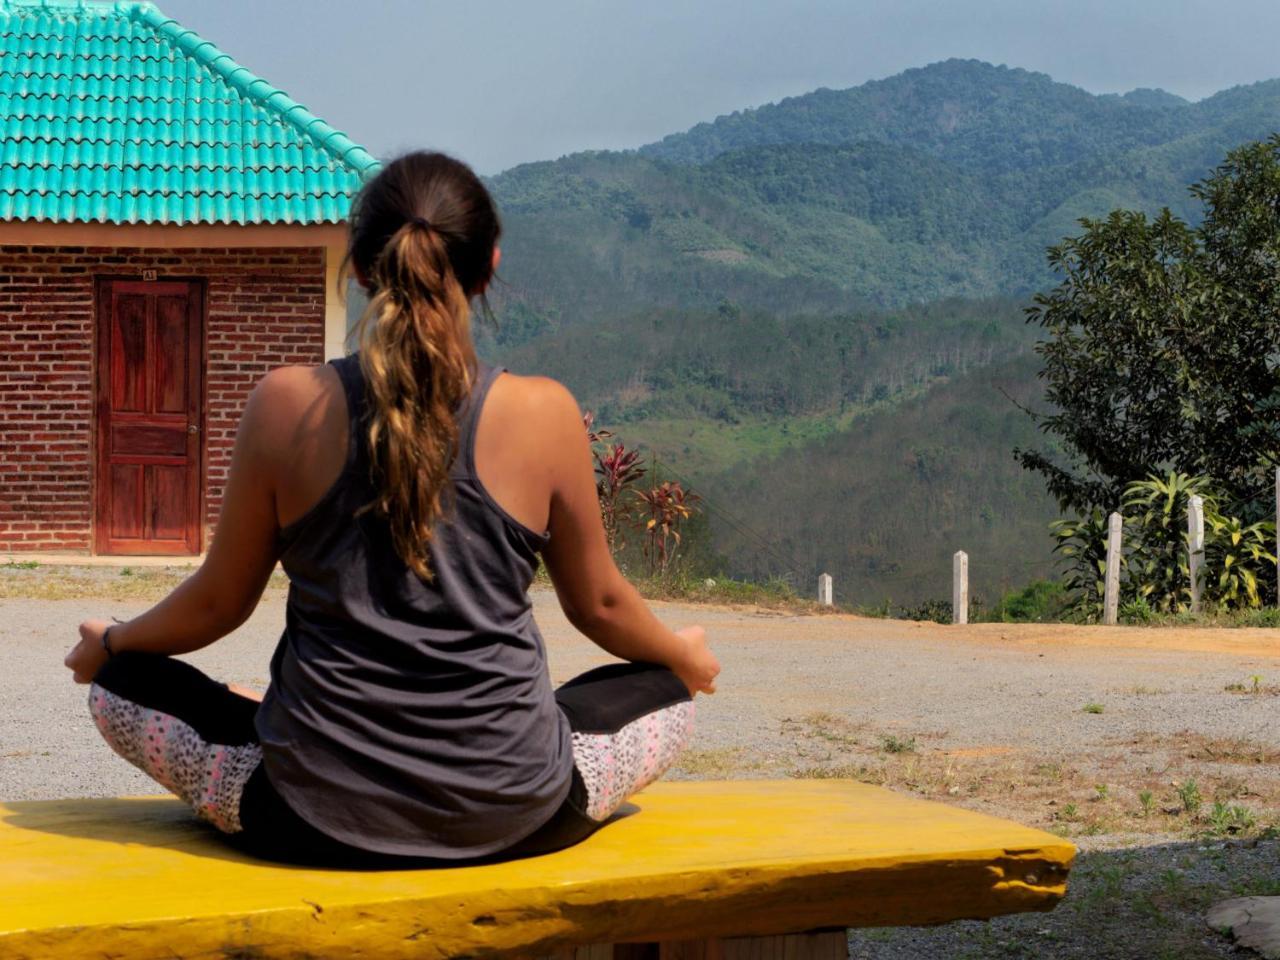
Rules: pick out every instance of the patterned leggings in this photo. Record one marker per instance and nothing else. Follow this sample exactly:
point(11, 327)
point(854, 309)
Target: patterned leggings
point(629, 723)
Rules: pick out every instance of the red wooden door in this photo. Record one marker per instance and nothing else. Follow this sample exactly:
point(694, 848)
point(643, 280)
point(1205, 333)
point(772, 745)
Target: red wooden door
point(149, 417)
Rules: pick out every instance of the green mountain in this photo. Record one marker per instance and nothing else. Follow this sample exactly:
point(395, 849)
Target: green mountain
point(764, 415)
point(811, 310)
point(884, 504)
point(947, 181)
point(736, 367)
point(973, 115)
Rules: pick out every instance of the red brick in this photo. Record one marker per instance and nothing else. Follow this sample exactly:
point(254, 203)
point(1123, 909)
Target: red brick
point(256, 298)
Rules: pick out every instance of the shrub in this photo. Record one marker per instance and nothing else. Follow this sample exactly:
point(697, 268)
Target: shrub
point(1041, 601)
point(1136, 611)
point(939, 611)
point(1082, 545)
point(1238, 570)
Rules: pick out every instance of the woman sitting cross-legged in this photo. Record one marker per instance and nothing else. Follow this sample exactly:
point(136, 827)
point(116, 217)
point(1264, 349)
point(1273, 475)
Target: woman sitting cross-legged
point(408, 490)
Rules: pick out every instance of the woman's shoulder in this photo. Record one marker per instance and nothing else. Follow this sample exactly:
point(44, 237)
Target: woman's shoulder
point(533, 401)
point(293, 390)
point(293, 402)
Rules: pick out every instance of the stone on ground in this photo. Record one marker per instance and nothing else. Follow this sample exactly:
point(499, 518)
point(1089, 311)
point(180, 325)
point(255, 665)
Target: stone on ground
point(1253, 921)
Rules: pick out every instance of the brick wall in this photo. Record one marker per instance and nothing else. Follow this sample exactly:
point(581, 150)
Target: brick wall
point(265, 309)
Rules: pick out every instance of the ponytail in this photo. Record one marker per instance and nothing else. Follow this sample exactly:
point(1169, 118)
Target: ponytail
point(416, 351)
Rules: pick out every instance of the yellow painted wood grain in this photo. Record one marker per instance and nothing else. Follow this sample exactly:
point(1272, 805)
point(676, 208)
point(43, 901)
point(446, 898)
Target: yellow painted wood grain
point(140, 878)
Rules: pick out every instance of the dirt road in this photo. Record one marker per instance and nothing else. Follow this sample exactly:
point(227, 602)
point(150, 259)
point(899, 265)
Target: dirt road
point(1131, 708)
point(1060, 727)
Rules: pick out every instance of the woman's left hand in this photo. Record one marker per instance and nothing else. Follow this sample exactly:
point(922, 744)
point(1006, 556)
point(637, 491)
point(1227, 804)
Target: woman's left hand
point(87, 656)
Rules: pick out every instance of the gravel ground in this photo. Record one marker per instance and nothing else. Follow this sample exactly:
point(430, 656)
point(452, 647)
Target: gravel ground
point(991, 717)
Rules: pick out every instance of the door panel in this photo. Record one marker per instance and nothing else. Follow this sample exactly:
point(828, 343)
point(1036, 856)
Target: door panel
point(171, 359)
point(126, 500)
point(149, 417)
point(129, 354)
point(168, 517)
point(149, 439)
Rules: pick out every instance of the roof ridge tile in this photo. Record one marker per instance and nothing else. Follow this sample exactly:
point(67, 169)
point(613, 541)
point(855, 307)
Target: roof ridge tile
point(254, 87)
point(112, 111)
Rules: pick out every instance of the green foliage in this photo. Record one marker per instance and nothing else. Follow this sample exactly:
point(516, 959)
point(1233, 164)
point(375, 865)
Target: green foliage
point(883, 503)
point(1238, 572)
point(1268, 617)
point(1146, 800)
point(1137, 611)
point(1241, 557)
point(936, 611)
point(679, 583)
point(1226, 819)
point(995, 119)
point(1082, 545)
point(1155, 513)
point(732, 364)
point(1161, 349)
point(1093, 708)
point(1042, 601)
point(1189, 794)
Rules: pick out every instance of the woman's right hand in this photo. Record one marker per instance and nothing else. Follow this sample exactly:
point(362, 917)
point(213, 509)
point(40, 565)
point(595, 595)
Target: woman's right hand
point(698, 668)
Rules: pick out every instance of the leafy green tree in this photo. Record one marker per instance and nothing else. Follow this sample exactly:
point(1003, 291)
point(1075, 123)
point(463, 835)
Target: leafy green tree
point(1163, 345)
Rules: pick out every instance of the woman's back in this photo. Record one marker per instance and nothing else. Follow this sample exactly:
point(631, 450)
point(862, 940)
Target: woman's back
point(423, 702)
point(410, 710)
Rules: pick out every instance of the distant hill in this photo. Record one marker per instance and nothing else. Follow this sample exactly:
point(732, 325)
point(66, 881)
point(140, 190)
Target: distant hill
point(884, 504)
point(971, 114)
point(735, 366)
point(945, 181)
point(811, 310)
point(1148, 97)
point(842, 439)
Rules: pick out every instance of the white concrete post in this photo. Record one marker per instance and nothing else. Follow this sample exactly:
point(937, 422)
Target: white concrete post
point(1195, 547)
point(960, 587)
point(824, 589)
point(1111, 597)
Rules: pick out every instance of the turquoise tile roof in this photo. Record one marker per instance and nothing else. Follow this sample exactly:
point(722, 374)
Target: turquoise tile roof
point(114, 113)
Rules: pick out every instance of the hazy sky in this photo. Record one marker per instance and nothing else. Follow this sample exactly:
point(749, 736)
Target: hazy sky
point(500, 82)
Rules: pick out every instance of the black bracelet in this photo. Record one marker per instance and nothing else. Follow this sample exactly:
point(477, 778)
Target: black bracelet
point(106, 645)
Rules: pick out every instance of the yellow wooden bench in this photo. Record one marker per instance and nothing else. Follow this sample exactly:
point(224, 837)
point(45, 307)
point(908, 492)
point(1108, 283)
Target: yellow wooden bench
point(702, 870)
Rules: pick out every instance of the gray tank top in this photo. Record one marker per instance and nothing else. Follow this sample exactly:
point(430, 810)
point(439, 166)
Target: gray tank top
point(403, 716)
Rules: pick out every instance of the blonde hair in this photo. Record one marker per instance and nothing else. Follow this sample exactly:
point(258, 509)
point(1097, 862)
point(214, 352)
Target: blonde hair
point(437, 227)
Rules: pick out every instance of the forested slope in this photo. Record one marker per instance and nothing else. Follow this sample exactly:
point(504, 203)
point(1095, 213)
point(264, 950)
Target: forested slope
point(947, 181)
point(812, 310)
point(883, 504)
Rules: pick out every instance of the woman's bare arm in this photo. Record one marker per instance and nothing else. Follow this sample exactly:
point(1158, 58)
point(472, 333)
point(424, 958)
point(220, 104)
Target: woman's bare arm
point(226, 588)
point(596, 598)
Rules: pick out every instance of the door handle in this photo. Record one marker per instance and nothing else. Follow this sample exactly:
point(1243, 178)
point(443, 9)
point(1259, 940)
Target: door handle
point(193, 428)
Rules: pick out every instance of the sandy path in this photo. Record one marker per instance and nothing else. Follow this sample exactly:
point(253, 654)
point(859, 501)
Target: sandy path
point(991, 717)
point(986, 689)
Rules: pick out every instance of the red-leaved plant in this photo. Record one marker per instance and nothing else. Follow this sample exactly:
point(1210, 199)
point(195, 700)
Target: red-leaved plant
point(668, 505)
point(594, 436)
point(617, 469)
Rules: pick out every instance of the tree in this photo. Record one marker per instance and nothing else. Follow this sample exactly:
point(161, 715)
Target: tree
point(1163, 345)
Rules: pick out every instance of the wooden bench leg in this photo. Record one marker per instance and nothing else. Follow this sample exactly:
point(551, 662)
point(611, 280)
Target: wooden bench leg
point(815, 945)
